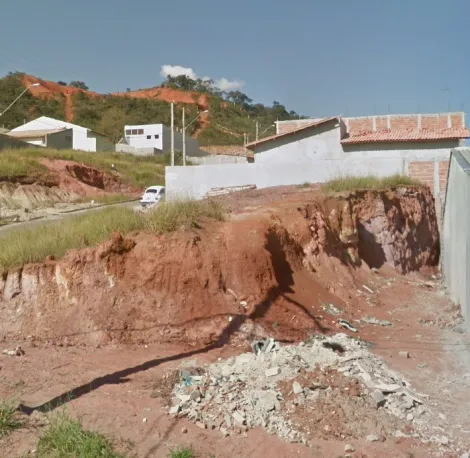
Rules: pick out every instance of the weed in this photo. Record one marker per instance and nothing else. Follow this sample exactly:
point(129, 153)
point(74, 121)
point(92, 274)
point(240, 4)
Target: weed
point(66, 438)
point(304, 185)
point(353, 183)
point(56, 238)
point(182, 452)
point(11, 167)
point(8, 417)
point(169, 217)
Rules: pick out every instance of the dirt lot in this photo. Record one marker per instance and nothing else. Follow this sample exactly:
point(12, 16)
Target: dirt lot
point(123, 388)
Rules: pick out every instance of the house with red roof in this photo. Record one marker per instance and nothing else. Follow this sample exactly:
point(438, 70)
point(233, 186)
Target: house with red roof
point(424, 141)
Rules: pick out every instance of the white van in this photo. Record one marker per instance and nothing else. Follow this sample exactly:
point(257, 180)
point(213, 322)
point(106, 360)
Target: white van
point(153, 195)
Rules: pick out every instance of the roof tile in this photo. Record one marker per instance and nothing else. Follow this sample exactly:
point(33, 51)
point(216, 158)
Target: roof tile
point(407, 135)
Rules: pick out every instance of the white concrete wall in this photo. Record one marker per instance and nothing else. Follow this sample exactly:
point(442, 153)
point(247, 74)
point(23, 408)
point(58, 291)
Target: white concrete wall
point(320, 143)
point(195, 182)
point(456, 232)
point(313, 156)
point(141, 141)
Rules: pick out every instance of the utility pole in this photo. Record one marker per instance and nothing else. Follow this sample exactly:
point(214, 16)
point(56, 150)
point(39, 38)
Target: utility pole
point(256, 130)
point(172, 134)
point(184, 141)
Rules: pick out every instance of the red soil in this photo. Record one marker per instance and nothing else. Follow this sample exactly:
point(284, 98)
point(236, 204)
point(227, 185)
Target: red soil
point(263, 272)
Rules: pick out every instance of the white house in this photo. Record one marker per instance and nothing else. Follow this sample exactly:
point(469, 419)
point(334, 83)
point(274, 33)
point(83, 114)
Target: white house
point(156, 138)
point(38, 132)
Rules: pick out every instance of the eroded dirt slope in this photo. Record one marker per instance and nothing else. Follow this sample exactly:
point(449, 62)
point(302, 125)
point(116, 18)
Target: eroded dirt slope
point(266, 270)
point(65, 181)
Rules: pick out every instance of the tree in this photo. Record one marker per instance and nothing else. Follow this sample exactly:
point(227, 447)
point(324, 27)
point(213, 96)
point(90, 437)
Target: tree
point(62, 83)
point(79, 85)
point(239, 98)
point(112, 123)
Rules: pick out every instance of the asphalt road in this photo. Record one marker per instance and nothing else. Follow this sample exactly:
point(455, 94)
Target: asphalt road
point(59, 217)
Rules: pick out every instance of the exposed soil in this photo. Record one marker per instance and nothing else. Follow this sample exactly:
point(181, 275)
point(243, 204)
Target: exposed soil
point(51, 89)
point(283, 264)
point(65, 182)
point(273, 269)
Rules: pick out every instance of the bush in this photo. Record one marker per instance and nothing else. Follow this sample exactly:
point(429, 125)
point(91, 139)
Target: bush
point(353, 183)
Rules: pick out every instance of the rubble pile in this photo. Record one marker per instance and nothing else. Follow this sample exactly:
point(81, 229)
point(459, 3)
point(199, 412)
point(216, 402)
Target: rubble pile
point(242, 392)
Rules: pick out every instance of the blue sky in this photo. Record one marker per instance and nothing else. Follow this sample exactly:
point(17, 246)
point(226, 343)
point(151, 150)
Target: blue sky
point(320, 58)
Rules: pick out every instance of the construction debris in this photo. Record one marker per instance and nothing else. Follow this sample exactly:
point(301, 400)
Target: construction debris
point(242, 392)
point(216, 192)
point(331, 309)
point(18, 351)
point(347, 325)
point(375, 321)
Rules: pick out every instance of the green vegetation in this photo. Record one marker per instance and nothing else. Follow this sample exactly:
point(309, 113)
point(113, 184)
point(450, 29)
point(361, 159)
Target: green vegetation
point(353, 183)
point(8, 417)
point(231, 114)
point(182, 452)
point(55, 239)
point(11, 167)
point(66, 438)
point(138, 171)
point(27, 107)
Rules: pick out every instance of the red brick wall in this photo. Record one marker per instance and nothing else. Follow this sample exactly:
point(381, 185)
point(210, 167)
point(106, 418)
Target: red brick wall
point(443, 171)
point(424, 172)
point(396, 122)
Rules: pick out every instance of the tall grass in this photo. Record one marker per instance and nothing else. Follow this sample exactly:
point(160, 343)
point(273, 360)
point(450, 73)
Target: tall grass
point(66, 438)
point(29, 245)
point(8, 417)
point(11, 167)
point(354, 183)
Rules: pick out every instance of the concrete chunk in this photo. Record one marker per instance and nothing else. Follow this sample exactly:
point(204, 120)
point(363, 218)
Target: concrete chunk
point(272, 372)
point(378, 399)
point(372, 438)
point(238, 417)
point(297, 388)
point(404, 354)
point(184, 397)
point(388, 388)
point(175, 410)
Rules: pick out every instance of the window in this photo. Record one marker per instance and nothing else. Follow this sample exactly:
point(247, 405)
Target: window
point(151, 191)
point(157, 136)
point(140, 132)
point(149, 137)
point(162, 191)
point(128, 132)
point(134, 132)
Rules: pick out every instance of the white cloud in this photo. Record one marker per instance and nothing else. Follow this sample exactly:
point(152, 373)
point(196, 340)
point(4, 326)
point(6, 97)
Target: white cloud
point(223, 84)
point(177, 70)
point(226, 85)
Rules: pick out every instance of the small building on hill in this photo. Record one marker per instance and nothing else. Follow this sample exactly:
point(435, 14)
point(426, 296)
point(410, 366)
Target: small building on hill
point(148, 139)
point(53, 133)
